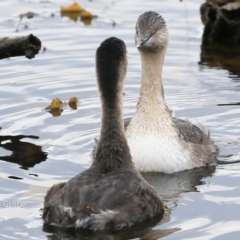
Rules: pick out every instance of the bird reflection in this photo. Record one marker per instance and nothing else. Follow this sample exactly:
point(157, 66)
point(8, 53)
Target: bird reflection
point(170, 186)
point(25, 154)
point(71, 234)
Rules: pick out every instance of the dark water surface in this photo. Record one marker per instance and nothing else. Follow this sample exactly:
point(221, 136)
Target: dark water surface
point(202, 86)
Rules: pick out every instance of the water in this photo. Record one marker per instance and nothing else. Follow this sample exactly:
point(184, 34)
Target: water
point(203, 204)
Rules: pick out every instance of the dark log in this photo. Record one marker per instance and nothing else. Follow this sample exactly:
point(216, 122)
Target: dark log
point(27, 46)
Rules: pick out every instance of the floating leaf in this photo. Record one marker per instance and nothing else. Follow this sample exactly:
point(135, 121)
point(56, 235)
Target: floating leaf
point(55, 108)
point(56, 103)
point(56, 112)
point(75, 7)
point(72, 15)
point(73, 99)
point(75, 11)
point(73, 102)
point(86, 14)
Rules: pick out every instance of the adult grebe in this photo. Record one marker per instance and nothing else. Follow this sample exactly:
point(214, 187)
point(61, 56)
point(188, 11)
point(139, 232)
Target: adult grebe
point(158, 141)
point(111, 194)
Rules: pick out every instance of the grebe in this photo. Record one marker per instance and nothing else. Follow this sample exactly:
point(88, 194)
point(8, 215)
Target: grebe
point(158, 141)
point(111, 195)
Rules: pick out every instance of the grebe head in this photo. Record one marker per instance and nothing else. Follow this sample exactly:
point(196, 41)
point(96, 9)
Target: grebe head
point(151, 31)
point(111, 68)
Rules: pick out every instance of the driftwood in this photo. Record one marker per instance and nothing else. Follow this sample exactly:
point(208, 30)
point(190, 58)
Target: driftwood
point(27, 46)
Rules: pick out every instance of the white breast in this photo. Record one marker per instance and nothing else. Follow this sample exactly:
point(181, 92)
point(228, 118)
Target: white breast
point(157, 154)
point(153, 151)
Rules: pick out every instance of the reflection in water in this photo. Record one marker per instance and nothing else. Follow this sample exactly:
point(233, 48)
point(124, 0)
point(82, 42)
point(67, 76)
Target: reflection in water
point(23, 153)
point(221, 36)
point(72, 105)
point(70, 234)
point(223, 57)
point(170, 186)
point(15, 178)
point(222, 22)
point(228, 104)
point(75, 16)
point(56, 112)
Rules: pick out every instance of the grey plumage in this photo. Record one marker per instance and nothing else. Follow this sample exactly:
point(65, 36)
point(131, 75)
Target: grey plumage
point(187, 131)
point(125, 197)
point(111, 195)
point(149, 22)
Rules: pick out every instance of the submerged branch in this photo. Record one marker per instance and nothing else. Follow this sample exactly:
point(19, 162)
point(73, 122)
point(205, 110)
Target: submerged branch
point(27, 46)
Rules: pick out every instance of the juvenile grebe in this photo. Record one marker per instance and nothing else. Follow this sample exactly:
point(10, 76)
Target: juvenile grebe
point(111, 194)
point(158, 141)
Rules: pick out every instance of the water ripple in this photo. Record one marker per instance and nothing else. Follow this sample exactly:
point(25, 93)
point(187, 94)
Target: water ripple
point(203, 203)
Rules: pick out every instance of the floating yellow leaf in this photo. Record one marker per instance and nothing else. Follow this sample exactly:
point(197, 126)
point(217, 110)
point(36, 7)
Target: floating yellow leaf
point(75, 11)
point(73, 99)
point(72, 15)
point(56, 103)
point(55, 107)
point(73, 102)
point(75, 7)
point(86, 14)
